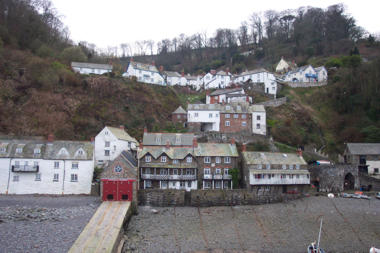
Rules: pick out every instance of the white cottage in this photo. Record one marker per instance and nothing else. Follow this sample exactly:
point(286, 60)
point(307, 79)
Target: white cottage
point(91, 68)
point(227, 96)
point(145, 73)
point(321, 74)
point(216, 80)
point(304, 74)
point(259, 125)
point(172, 78)
point(282, 66)
point(110, 142)
point(205, 115)
point(260, 75)
point(35, 166)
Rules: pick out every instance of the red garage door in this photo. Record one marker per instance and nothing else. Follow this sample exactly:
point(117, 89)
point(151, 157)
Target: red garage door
point(117, 190)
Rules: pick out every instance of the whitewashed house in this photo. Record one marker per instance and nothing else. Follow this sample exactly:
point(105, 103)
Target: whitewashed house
point(110, 142)
point(35, 166)
point(194, 81)
point(216, 80)
point(304, 74)
point(321, 74)
point(172, 78)
point(259, 125)
point(145, 73)
point(259, 76)
point(227, 96)
point(91, 68)
point(284, 172)
point(204, 116)
point(282, 66)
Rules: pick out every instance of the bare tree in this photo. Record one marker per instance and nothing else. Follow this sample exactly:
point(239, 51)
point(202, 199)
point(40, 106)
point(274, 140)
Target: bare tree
point(150, 45)
point(270, 23)
point(257, 27)
point(243, 34)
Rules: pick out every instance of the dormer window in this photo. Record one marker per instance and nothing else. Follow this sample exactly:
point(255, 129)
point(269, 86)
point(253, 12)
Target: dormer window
point(228, 107)
point(37, 151)
point(18, 150)
point(148, 158)
point(2, 150)
point(178, 139)
point(106, 133)
point(158, 139)
point(189, 159)
point(63, 151)
point(80, 152)
point(163, 159)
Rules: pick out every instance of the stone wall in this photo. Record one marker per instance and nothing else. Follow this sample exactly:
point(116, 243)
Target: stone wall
point(258, 195)
point(226, 137)
point(305, 85)
point(274, 102)
point(330, 178)
point(369, 182)
point(158, 197)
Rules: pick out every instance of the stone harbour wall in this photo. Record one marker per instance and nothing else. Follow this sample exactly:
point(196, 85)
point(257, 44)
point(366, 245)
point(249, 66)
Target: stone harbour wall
point(204, 198)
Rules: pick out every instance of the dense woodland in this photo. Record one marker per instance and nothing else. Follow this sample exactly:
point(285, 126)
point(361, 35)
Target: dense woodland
point(39, 93)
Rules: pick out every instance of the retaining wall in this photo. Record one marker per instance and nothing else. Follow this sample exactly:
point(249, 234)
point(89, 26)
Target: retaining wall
point(274, 102)
point(158, 197)
point(305, 85)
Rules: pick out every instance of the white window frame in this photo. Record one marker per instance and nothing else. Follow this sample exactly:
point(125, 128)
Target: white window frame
point(163, 159)
point(189, 159)
point(258, 126)
point(76, 167)
point(236, 116)
point(107, 144)
point(148, 158)
point(218, 159)
point(227, 123)
point(74, 177)
point(207, 171)
point(226, 171)
point(210, 115)
point(56, 165)
point(18, 150)
point(38, 177)
point(258, 117)
point(107, 152)
point(207, 159)
point(56, 177)
point(175, 161)
point(227, 116)
point(244, 123)
point(218, 171)
point(16, 178)
point(243, 116)
point(227, 159)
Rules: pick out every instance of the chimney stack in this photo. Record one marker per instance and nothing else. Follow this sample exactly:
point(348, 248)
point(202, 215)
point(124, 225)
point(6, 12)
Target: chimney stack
point(167, 144)
point(153, 63)
point(141, 145)
point(121, 127)
point(50, 137)
point(299, 152)
point(92, 140)
point(161, 68)
point(232, 141)
point(145, 130)
point(244, 147)
point(131, 59)
point(195, 142)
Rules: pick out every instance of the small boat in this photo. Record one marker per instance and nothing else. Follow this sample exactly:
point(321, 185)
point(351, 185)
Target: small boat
point(378, 195)
point(374, 250)
point(315, 248)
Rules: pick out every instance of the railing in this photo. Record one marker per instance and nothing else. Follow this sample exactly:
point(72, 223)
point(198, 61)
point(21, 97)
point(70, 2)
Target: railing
point(25, 168)
point(227, 176)
point(168, 177)
point(217, 176)
point(279, 181)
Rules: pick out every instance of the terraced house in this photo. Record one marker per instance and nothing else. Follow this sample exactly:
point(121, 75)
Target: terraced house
point(38, 166)
point(215, 162)
point(270, 171)
point(145, 73)
point(167, 161)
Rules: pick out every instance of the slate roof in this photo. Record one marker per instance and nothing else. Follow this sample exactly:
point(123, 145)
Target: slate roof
point(222, 73)
point(364, 148)
point(179, 110)
point(172, 152)
point(144, 66)
point(129, 157)
point(184, 139)
point(203, 107)
point(172, 74)
point(128, 163)
point(319, 69)
point(121, 134)
point(299, 69)
point(48, 150)
point(255, 71)
point(216, 149)
point(225, 91)
point(252, 158)
point(91, 65)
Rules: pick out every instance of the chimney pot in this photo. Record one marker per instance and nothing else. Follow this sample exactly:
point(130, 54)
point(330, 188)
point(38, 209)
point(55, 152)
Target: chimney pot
point(167, 144)
point(244, 147)
point(141, 145)
point(145, 130)
point(121, 127)
point(232, 141)
point(161, 68)
point(182, 74)
point(92, 139)
point(299, 152)
point(50, 137)
point(153, 63)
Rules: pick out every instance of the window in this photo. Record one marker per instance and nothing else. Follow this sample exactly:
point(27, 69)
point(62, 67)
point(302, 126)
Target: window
point(129, 145)
point(210, 115)
point(217, 184)
point(118, 169)
point(56, 177)
point(236, 116)
point(227, 123)
point(268, 166)
point(207, 159)
point(175, 161)
point(38, 177)
point(189, 184)
point(243, 116)
point(182, 184)
point(226, 171)
point(376, 170)
point(35, 164)
point(228, 108)
point(291, 166)
point(297, 176)
point(238, 107)
point(259, 166)
point(216, 115)
point(217, 159)
point(258, 117)
point(297, 166)
point(158, 139)
point(178, 116)
point(257, 126)
point(106, 153)
point(206, 171)
point(178, 139)
point(148, 158)
point(163, 159)
point(74, 165)
point(196, 115)
point(227, 116)
point(207, 185)
point(74, 177)
point(106, 133)
point(56, 165)
point(16, 178)
point(175, 171)
point(17, 164)
point(284, 166)
point(243, 124)
point(189, 159)
point(217, 171)
point(227, 159)
point(18, 150)
point(188, 172)
point(107, 144)
point(2, 149)
point(37, 151)
point(147, 170)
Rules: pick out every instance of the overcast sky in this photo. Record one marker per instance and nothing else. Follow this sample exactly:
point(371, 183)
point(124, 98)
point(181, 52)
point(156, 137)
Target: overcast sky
point(112, 22)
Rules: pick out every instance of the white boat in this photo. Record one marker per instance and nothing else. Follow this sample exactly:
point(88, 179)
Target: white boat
point(315, 248)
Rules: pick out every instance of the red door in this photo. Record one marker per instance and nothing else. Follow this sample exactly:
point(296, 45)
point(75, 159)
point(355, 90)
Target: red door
point(125, 190)
point(109, 190)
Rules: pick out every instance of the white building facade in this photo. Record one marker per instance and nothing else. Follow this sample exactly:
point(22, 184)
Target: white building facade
point(259, 125)
point(321, 74)
point(46, 167)
point(216, 80)
point(87, 68)
point(110, 142)
point(259, 76)
point(145, 73)
point(206, 115)
point(304, 74)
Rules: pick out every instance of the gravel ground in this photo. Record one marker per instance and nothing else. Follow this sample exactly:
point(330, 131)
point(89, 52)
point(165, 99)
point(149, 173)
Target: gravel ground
point(43, 224)
point(349, 225)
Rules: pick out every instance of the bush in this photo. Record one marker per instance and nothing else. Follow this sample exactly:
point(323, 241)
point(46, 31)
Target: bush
point(71, 54)
point(45, 51)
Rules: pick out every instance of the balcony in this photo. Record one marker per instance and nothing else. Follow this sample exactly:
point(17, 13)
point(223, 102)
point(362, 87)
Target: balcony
point(168, 177)
point(218, 176)
point(229, 177)
point(207, 176)
point(25, 168)
point(279, 181)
